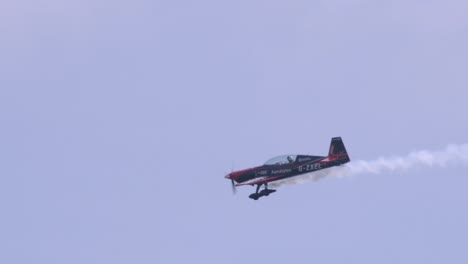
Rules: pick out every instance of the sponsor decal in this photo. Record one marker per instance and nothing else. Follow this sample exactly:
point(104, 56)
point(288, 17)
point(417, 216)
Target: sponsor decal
point(262, 172)
point(304, 159)
point(281, 171)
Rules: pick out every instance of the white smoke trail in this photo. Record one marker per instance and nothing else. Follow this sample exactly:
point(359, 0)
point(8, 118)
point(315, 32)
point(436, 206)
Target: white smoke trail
point(452, 154)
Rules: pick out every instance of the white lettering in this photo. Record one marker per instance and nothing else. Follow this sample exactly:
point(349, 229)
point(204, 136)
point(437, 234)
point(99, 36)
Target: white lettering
point(280, 171)
point(310, 167)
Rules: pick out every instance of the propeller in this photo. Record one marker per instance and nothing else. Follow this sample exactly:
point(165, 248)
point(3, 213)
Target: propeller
point(233, 186)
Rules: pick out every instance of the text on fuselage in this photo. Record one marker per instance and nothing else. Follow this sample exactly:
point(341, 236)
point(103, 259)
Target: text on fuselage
point(310, 167)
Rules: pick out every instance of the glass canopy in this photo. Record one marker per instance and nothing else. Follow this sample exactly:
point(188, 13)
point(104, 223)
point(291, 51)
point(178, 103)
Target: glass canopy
point(283, 159)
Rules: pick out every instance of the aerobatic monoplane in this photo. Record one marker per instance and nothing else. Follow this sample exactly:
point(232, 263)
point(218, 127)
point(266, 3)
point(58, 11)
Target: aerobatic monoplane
point(286, 166)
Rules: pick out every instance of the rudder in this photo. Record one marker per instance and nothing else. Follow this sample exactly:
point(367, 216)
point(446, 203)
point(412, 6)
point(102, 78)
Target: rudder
point(337, 149)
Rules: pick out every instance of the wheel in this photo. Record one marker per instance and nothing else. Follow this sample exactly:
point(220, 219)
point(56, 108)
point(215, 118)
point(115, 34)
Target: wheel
point(254, 196)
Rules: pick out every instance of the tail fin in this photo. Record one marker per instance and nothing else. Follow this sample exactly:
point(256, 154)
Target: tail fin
point(338, 150)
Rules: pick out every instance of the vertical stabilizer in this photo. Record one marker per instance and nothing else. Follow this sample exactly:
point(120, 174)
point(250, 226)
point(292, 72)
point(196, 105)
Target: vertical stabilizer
point(338, 150)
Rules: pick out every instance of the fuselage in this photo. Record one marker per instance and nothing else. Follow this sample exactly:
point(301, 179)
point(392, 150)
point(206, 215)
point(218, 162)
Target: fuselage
point(274, 172)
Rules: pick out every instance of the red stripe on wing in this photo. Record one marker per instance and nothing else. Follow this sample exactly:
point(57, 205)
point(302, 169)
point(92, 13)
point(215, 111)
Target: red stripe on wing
point(260, 181)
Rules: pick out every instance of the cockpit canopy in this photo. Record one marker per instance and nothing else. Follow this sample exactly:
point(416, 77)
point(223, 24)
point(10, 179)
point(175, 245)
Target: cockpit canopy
point(283, 159)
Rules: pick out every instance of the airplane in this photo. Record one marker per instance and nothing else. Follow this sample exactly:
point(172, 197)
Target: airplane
point(286, 166)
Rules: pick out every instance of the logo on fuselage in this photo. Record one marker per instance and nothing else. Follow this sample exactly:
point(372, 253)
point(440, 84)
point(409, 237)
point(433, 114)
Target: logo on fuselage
point(280, 171)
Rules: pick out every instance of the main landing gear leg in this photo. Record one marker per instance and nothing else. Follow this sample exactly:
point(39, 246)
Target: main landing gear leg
point(264, 192)
point(256, 195)
point(267, 191)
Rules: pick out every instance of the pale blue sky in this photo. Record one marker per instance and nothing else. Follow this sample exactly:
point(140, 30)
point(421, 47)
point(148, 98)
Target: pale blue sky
point(119, 120)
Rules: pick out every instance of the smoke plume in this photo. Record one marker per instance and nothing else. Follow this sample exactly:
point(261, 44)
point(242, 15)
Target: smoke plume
point(451, 155)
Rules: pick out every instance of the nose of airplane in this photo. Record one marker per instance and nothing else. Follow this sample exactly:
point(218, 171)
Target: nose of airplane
point(232, 176)
point(236, 174)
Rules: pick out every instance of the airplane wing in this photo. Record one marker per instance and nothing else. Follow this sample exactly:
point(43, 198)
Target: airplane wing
point(260, 180)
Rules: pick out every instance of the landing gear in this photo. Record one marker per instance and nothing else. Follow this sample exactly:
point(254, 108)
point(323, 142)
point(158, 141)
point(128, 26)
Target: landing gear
point(255, 196)
point(267, 192)
point(264, 192)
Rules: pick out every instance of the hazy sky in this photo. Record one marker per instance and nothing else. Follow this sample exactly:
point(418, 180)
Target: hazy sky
point(119, 120)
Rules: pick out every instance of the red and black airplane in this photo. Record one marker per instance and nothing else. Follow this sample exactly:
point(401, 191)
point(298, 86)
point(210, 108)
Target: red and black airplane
point(287, 166)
